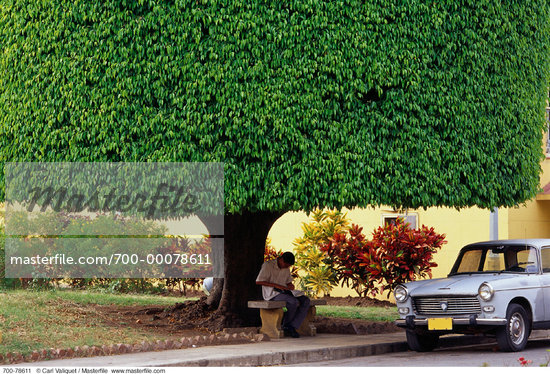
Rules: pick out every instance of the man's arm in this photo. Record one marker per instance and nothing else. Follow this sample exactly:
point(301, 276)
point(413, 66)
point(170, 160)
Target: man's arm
point(289, 286)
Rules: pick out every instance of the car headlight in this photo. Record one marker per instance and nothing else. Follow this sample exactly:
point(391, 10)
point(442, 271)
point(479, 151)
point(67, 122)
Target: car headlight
point(401, 294)
point(485, 291)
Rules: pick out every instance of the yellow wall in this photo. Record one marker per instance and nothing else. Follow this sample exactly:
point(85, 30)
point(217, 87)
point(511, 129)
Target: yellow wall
point(461, 228)
point(532, 220)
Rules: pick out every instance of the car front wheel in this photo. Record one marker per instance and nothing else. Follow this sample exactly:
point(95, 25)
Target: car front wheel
point(513, 337)
point(422, 342)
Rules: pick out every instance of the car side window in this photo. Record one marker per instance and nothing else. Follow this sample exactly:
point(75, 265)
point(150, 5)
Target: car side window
point(545, 259)
point(527, 260)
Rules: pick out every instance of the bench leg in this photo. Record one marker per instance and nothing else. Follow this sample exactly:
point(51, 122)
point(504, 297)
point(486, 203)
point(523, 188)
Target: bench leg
point(271, 322)
point(307, 328)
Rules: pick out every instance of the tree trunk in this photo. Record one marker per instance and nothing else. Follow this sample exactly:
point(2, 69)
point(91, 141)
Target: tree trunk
point(212, 224)
point(215, 296)
point(244, 246)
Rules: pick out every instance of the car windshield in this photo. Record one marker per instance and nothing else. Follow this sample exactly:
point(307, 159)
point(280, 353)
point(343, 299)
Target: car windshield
point(496, 259)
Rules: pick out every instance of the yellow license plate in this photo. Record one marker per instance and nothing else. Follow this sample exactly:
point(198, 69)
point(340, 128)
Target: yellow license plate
point(440, 323)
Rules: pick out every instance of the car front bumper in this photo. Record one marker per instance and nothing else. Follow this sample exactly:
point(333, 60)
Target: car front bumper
point(412, 322)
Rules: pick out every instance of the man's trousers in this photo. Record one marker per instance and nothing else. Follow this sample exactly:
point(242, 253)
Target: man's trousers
point(296, 307)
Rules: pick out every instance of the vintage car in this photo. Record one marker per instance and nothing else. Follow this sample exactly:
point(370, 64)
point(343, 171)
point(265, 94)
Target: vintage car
point(498, 288)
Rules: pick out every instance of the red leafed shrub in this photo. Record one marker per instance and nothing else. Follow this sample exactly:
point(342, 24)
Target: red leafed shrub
point(403, 253)
point(345, 253)
point(396, 254)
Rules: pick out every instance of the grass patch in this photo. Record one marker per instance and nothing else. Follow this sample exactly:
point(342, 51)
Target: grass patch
point(381, 314)
point(101, 298)
point(31, 320)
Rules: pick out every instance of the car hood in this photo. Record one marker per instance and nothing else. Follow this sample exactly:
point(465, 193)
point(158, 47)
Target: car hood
point(466, 284)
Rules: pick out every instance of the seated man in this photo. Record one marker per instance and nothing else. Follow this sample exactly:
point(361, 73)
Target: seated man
point(276, 282)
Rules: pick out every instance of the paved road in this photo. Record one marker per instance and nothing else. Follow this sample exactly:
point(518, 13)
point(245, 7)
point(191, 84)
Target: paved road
point(474, 356)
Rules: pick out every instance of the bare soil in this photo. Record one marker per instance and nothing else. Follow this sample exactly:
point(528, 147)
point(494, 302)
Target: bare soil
point(192, 318)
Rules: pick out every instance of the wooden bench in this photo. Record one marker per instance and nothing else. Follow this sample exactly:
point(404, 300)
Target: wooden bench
point(271, 313)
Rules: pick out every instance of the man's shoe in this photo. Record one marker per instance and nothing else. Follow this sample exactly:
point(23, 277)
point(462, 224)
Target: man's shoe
point(291, 331)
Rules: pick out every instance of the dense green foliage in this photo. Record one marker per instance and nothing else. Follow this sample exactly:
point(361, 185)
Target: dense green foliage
point(308, 103)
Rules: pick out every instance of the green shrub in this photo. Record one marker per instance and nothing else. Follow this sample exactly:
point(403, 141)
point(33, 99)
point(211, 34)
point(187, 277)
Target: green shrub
point(316, 274)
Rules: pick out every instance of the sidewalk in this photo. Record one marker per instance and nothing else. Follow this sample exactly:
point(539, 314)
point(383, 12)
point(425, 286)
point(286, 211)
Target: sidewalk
point(284, 351)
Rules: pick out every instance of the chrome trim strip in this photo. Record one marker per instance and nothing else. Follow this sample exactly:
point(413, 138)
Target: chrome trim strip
point(457, 321)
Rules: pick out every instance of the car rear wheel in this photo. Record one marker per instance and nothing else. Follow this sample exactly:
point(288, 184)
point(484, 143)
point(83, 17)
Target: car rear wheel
point(513, 336)
point(422, 342)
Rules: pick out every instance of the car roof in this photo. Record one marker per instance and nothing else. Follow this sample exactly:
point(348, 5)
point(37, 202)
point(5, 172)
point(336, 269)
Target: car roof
point(531, 242)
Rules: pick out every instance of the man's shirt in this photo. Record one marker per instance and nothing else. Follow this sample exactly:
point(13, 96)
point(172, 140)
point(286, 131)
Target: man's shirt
point(271, 273)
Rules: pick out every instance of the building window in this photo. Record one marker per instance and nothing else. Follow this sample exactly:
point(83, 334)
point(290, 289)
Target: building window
point(390, 218)
point(547, 131)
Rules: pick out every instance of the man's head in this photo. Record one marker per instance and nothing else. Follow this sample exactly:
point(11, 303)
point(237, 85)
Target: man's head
point(286, 260)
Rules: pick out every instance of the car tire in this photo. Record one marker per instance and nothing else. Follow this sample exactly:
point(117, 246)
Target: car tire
point(513, 336)
point(422, 342)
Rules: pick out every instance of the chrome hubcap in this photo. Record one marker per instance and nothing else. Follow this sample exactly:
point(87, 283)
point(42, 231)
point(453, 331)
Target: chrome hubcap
point(517, 328)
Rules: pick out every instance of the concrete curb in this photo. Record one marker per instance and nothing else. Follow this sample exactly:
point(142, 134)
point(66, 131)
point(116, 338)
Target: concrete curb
point(300, 357)
point(310, 350)
point(328, 354)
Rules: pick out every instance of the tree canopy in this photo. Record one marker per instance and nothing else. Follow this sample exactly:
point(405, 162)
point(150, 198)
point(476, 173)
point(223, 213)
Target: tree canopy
point(308, 103)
